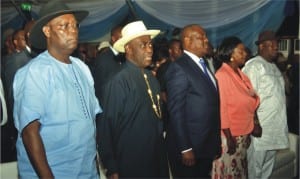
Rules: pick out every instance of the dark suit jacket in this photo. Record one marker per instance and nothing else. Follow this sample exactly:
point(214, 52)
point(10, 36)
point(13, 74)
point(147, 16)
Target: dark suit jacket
point(12, 64)
point(106, 66)
point(193, 104)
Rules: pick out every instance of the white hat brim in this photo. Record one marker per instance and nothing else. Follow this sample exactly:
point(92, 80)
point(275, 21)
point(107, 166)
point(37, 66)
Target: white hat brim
point(119, 45)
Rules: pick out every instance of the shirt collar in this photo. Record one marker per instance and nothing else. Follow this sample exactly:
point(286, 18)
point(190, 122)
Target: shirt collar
point(113, 50)
point(28, 48)
point(193, 56)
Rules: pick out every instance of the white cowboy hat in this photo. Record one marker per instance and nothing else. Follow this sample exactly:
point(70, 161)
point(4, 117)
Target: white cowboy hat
point(103, 44)
point(132, 31)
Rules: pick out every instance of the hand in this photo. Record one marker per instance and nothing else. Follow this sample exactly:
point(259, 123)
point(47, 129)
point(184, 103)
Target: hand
point(257, 130)
point(219, 153)
point(188, 158)
point(113, 176)
point(231, 144)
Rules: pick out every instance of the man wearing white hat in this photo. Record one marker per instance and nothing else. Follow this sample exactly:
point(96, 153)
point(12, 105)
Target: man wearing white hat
point(130, 133)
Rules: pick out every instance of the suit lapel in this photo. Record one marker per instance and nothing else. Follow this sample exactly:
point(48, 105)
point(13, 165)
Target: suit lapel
point(195, 69)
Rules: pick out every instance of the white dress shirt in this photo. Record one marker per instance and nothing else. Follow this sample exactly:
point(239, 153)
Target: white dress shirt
point(196, 60)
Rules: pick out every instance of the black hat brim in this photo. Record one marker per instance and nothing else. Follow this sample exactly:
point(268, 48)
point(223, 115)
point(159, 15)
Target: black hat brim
point(37, 37)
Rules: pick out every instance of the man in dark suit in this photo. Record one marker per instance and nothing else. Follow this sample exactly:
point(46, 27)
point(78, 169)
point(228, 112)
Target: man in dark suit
point(107, 64)
point(16, 60)
point(193, 131)
point(13, 62)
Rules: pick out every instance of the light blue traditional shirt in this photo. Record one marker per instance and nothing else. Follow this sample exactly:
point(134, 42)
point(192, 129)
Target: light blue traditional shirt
point(62, 98)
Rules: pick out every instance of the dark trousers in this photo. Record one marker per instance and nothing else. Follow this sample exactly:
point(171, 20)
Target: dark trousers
point(8, 142)
point(201, 169)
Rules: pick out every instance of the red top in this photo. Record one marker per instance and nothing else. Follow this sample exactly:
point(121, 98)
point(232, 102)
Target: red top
point(238, 101)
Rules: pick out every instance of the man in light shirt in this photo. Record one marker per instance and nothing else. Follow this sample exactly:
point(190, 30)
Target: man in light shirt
point(55, 105)
point(269, 85)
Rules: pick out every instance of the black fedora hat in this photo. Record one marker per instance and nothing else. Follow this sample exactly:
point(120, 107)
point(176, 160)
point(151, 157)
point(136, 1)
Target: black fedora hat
point(266, 35)
point(48, 12)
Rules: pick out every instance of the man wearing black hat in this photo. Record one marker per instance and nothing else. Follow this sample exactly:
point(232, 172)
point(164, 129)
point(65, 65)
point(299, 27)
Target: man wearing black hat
point(268, 82)
point(55, 104)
